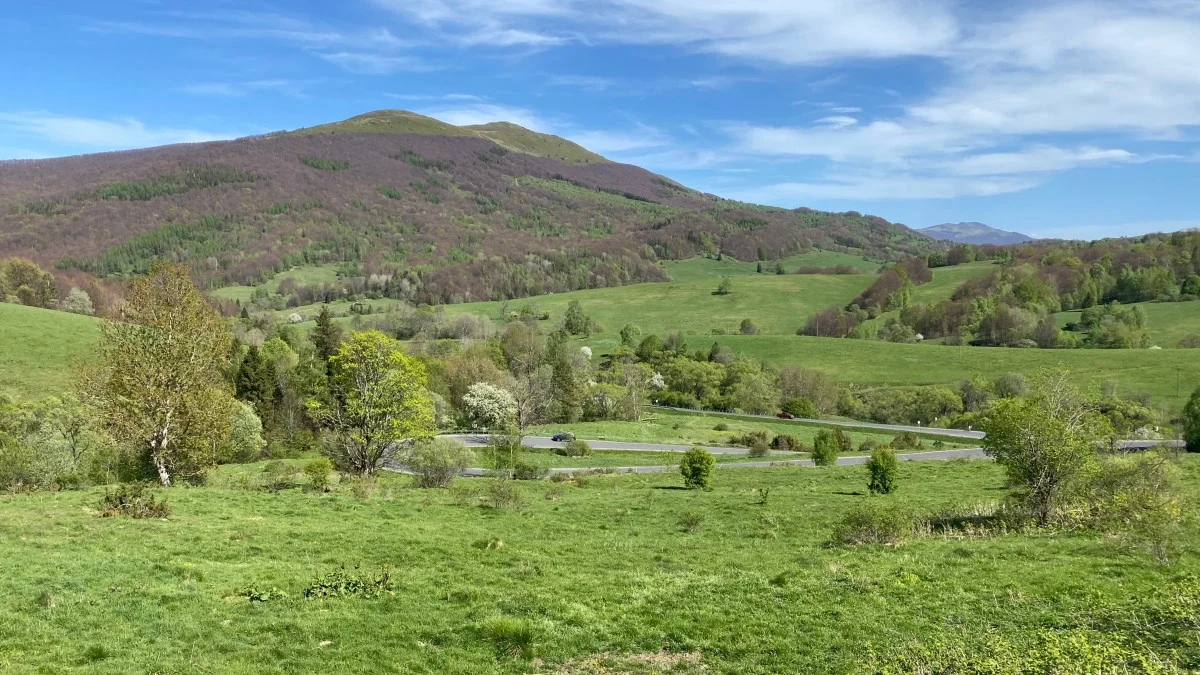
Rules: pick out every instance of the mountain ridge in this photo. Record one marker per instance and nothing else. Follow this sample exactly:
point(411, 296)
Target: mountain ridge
point(442, 213)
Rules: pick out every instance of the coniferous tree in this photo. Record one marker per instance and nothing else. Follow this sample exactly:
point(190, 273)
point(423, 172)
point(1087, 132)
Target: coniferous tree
point(326, 336)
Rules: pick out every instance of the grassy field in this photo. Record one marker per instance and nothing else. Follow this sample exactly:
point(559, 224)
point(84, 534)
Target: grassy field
point(778, 304)
point(600, 576)
point(1168, 374)
point(38, 347)
point(696, 269)
point(1168, 322)
point(307, 275)
point(669, 426)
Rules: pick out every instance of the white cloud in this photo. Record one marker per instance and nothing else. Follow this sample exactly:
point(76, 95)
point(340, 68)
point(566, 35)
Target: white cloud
point(589, 82)
point(435, 97)
point(891, 186)
point(780, 31)
point(1039, 158)
point(837, 121)
point(482, 113)
point(102, 134)
point(605, 142)
point(367, 63)
point(292, 88)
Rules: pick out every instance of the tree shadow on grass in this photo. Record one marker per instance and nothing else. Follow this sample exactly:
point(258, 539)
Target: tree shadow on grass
point(851, 494)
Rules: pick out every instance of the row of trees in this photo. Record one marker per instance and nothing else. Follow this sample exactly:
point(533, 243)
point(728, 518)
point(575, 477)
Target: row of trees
point(23, 282)
point(1014, 305)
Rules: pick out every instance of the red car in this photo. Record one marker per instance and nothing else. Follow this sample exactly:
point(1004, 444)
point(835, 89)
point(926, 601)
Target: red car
point(786, 416)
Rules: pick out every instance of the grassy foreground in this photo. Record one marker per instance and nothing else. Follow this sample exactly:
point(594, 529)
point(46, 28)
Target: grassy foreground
point(599, 573)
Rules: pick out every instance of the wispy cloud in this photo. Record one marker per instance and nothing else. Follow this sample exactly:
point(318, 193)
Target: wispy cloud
point(482, 113)
point(367, 63)
point(101, 134)
point(293, 88)
point(589, 82)
point(434, 97)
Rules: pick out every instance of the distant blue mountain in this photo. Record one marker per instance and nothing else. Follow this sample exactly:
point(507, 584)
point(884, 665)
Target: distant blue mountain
point(974, 233)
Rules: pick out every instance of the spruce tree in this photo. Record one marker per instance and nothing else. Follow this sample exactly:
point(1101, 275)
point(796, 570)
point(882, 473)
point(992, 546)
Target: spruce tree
point(326, 336)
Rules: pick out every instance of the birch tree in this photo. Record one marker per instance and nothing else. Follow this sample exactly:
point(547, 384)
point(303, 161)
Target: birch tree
point(159, 387)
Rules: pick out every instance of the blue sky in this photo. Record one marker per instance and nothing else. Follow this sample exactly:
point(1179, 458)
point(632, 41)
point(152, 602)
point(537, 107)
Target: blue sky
point(1056, 118)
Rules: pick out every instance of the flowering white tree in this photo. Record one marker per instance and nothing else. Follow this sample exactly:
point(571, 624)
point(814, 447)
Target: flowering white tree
point(489, 406)
point(586, 351)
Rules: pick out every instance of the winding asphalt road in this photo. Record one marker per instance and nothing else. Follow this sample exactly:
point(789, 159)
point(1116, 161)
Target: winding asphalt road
point(480, 440)
point(932, 431)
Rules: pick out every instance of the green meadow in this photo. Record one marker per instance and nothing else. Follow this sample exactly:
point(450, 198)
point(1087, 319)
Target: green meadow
point(1167, 322)
point(611, 574)
point(1169, 375)
point(38, 348)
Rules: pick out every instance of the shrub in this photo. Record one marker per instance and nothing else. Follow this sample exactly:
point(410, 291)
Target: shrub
point(787, 443)
point(690, 521)
point(1191, 422)
point(721, 427)
point(318, 472)
point(134, 500)
point(503, 494)
point(1137, 499)
point(511, 636)
point(435, 464)
point(868, 446)
point(759, 449)
point(874, 522)
point(747, 327)
point(696, 467)
point(843, 441)
point(277, 476)
point(574, 448)
point(882, 468)
point(750, 439)
point(907, 440)
point(801, 406)
point(825, 448)
point(524, 471)
point(341, 583)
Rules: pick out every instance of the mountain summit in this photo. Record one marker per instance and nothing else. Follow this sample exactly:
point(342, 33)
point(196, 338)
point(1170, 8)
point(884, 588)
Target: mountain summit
point(974, 233)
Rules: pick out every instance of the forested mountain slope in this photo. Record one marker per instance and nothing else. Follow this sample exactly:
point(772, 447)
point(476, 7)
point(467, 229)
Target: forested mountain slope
point(436, 213)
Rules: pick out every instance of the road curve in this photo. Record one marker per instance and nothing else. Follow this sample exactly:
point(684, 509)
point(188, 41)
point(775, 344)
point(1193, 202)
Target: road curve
point(932, 431)
point(481, 440)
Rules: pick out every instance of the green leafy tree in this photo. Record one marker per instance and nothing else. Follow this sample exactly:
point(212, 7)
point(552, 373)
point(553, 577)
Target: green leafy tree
point(379, 403)
point(825, 448)
point(697, 467)
point(1045, 441)
point(159, 386)
point(629, 335)
point(882, 470)
point(801, 407)
point(725, 287)
point(575, 321)
point(1191, 422)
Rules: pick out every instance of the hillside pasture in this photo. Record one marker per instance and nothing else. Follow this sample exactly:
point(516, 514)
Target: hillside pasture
point(1167, 374)
point(39, 347)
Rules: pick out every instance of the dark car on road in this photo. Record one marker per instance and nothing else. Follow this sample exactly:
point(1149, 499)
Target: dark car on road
point(786, 416)
point(563, 437)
